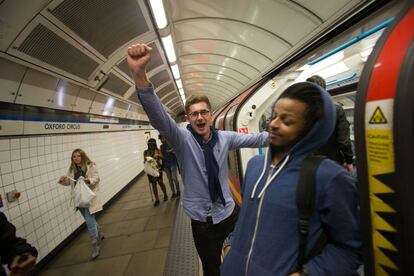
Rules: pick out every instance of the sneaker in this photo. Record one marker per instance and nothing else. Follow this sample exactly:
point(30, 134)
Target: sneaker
point(95, 251)
point(165, 198)
point(156, 203)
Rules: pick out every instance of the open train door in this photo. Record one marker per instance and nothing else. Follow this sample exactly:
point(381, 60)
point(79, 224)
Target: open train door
point(384, 128)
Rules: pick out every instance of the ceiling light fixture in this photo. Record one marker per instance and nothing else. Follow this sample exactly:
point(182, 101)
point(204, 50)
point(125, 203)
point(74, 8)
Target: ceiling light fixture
point(353, 40)
point(159, 13)
point(333, 70)
point(175, 71)
point(323, 67)
point(366, 53)
point(347, 78)
point(179, 84)
point(169, 48)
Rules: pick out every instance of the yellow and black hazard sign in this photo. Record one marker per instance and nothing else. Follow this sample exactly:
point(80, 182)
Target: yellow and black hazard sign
point(380, 154)
point(378, 117)
point(382, 188)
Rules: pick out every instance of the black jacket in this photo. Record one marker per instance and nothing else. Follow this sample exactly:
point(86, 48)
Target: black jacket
point(10, 245)
point(339, 147)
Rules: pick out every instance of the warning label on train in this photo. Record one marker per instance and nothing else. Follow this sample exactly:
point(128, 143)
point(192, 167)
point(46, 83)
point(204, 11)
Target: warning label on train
point(379, 114)
point(379, 136)
point(378, 117)
point(380, 157)
point(379, 146)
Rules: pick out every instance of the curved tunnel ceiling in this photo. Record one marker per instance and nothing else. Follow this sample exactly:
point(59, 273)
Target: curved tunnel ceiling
point(222, 47)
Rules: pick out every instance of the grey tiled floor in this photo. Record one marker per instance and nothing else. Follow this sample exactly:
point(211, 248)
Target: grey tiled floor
point(137, 237)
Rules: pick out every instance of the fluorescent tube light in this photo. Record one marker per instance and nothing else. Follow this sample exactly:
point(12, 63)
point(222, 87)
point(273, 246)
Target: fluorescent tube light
point(109, 103)
point(333, 70)
point(325, 63)
point(350, 77)
point(179, 84)
point(322, 66)
point(61, 94)
point(159, 13)
point(175, 71)
point(366, 52)
point(304, 67)
point(169, 48)
point(108, 106)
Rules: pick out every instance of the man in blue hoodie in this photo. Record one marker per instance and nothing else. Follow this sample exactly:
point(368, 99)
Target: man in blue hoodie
point(201, 152)
point(266, 238)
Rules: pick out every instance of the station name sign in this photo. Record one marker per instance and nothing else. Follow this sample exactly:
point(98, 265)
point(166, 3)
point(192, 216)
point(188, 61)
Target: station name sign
point(20, 127)
point(55, 126)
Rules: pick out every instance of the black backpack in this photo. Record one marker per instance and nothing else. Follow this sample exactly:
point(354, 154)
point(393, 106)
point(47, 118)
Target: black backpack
point(305, 202)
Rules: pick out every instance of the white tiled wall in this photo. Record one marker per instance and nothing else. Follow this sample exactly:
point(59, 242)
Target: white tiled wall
point(32, 165)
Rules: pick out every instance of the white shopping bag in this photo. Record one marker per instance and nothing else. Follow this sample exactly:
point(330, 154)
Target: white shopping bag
point(151, 167)
point(82, 194)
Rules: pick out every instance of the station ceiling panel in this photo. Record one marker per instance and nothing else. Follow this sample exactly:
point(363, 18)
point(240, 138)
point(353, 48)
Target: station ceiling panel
point(222, 47)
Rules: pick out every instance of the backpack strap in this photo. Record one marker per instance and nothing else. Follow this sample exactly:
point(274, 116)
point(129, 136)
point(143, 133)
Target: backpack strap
point(305, 203)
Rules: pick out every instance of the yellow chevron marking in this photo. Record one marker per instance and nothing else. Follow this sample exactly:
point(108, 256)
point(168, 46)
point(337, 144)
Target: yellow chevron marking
point(380, 224)
point(380, 241)
point(379, 270)
point(380, 157)
point(378, 205)
point(377, 187)
point(384, 260)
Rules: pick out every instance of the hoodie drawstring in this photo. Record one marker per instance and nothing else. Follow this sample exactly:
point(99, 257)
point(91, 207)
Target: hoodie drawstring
point(273, 176)
point(261, 175)
point(269, 180)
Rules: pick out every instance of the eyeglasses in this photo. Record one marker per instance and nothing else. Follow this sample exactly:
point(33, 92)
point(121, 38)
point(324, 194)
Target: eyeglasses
point(203, 113)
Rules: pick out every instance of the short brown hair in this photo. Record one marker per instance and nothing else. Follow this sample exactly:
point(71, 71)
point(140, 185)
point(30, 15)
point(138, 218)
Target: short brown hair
point(195, 100)
point(318, 80)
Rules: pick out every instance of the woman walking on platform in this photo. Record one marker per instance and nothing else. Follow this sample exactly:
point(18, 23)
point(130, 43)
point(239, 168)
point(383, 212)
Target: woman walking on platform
point(155, 153)
point(81, 165)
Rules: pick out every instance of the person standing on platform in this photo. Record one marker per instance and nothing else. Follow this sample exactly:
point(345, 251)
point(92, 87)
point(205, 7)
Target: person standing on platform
point(170, 166)
point(82, 165)
point(339, 145)
point(202, 153)
point(269, 236)
point(156, 154)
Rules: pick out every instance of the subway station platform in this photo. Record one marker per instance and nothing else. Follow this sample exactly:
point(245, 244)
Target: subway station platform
point(139, 240)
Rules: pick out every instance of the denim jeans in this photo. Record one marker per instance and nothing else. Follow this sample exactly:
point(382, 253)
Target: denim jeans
point(171, 171)
point(91, 223)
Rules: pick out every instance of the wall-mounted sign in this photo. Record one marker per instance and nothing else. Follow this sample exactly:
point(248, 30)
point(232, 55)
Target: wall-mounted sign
point(244, 130)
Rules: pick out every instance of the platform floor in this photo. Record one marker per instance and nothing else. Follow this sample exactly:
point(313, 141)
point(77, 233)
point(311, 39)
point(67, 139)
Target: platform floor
point(137, 238)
